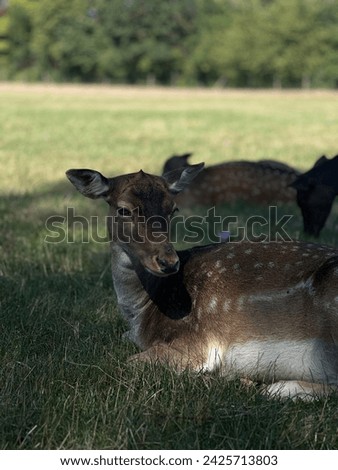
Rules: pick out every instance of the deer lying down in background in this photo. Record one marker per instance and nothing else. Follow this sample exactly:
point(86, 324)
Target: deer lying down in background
point(262, 182)
point(266, 312)
point(316, 191)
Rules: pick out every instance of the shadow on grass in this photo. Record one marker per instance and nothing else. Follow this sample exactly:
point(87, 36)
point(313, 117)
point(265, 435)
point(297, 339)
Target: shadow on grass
point(65, 381)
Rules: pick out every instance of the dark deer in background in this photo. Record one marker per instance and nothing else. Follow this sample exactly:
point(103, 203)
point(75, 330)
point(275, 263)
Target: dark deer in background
point(262, 182)
point(316, 191)
point(266, 312)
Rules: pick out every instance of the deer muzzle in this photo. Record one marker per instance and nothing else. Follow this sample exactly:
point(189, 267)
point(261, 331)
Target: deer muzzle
point(163, 262)
point(168, 267)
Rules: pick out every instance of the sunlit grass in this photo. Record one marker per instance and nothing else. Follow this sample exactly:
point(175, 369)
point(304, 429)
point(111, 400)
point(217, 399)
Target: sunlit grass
point(65, 381)
point(119, 130)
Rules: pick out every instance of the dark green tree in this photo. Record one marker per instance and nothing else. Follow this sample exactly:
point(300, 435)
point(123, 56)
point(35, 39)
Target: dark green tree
point(144, 39)
point(298, 38)
point(207, 44)
point(65, 36)
point(248, 43)
point(20, 34)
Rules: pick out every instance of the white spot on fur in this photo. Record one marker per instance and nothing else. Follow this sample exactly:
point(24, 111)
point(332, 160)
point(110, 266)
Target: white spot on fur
point(226, 305)
point(218, 264)
point(258, 265)
point(230, 255)
point(209, 273)
point(213, 303)
point(271, 264)
point(222, 270)
point(248, 251)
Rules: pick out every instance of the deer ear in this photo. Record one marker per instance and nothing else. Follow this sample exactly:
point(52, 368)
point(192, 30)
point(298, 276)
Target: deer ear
point(179, 179)
point(90, 183)
point(185, 156)
point(320, 161)
point(176, 162)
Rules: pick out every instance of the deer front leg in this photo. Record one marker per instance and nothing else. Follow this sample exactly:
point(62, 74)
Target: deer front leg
point(166, 355)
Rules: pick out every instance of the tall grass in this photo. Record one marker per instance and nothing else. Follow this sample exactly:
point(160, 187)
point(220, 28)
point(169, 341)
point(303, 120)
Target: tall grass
point(64, 379)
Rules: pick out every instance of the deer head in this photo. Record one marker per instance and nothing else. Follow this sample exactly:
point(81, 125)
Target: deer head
point(316, 190)
point(133, 201)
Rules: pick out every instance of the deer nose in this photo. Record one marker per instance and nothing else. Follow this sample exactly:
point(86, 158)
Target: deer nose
point(167, 267)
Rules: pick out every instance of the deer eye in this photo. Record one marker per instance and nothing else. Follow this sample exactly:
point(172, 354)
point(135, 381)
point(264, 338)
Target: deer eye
point(123, 212)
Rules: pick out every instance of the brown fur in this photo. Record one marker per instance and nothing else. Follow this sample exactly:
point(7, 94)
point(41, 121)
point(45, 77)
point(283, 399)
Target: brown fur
point(262, 182)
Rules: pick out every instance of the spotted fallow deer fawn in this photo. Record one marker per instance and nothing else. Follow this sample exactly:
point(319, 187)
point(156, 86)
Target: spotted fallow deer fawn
point(261, 182)
point(265, 312)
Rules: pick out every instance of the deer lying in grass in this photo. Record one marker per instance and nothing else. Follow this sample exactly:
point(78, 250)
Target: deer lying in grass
point(316, 191)
point(262, 182)
point(266, 312)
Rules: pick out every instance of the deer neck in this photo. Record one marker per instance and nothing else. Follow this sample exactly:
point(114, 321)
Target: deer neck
point(140, 293)
point(131, 295)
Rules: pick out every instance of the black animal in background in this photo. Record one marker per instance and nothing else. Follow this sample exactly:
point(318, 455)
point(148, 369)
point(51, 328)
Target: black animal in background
point(316, 191)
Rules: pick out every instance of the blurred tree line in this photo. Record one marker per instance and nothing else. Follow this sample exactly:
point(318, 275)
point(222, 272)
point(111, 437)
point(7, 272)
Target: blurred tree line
point(245, 43)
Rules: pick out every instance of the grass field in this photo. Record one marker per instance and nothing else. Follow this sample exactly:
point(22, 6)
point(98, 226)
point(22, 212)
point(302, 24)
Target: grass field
point(64, 382)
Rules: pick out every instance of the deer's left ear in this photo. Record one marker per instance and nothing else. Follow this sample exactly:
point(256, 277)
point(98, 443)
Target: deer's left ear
point(181, 178)
point(90, 183)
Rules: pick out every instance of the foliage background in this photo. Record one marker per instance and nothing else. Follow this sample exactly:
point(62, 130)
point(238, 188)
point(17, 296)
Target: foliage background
point(239, 43)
